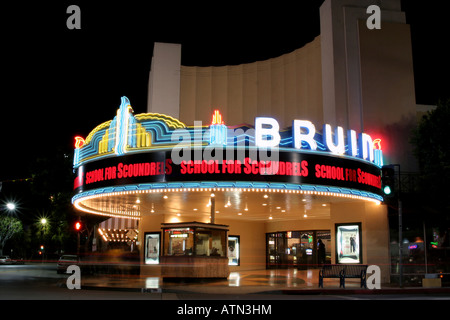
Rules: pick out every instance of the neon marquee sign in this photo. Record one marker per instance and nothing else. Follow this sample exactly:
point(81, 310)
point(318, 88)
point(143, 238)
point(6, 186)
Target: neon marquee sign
point(295, 169)
point(143, 148)
point(147, 132)
point(138, 153)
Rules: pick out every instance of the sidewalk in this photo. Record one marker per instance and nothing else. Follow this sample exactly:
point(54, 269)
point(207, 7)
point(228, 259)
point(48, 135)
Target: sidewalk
point(287, 282)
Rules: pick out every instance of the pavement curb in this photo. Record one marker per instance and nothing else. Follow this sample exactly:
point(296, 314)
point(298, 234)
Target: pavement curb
point(368, 291)
point(382, 291)
point(120, 289)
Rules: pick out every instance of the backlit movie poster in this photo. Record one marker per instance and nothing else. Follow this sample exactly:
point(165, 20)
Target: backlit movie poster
point(348, 243)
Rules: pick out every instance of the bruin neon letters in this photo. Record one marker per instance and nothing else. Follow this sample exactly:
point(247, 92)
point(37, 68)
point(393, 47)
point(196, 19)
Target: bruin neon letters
point(267, 135)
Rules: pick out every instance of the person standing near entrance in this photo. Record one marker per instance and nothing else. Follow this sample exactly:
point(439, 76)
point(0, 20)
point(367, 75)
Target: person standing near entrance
point(321, 252)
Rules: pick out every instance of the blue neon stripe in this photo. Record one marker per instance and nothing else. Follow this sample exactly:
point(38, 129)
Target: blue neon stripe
point(226, 184)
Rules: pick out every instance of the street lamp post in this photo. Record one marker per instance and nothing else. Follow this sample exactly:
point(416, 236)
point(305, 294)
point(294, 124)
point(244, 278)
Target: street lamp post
point(400, 225)
point(398, 193)
point(400, 241)
point(43, 222)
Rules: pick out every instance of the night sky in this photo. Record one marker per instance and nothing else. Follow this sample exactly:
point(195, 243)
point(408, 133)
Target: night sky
point(59, 83)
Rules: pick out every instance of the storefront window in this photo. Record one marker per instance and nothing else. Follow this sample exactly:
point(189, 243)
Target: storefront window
point(298, 249)
point(178, 241)
point(152, 245)
point(233, 250)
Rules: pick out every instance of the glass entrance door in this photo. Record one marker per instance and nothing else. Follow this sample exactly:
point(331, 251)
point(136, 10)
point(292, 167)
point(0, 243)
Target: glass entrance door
point(293, 249)
point(275, 249)
point(296, 249)
point(283, 249)
point(307, 255)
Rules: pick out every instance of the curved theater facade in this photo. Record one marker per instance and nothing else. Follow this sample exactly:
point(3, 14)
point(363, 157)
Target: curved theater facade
point(291, 157)
point(241, 197)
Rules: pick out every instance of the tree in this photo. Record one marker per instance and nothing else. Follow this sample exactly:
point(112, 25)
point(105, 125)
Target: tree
point(51, 189)
point(431, 141)
point(9, 226)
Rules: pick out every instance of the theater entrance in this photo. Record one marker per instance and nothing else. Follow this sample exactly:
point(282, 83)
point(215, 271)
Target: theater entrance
point(297, 249)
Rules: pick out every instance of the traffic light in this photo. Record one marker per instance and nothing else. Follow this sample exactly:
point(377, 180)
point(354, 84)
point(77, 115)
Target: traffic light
point(78, 225)
point(388, 181)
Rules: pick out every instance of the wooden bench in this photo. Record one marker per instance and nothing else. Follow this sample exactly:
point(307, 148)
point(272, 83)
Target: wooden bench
point(343, 271)
point(331, 271)
point(356, 271)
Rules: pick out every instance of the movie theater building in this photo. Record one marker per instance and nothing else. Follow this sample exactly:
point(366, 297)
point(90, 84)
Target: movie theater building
point(248, 166)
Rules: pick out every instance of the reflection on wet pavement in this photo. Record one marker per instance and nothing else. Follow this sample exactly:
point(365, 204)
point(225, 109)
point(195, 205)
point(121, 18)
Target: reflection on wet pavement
point(264, 279)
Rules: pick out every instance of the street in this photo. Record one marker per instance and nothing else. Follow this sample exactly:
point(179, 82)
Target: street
point(31, 288)
point(41, 282)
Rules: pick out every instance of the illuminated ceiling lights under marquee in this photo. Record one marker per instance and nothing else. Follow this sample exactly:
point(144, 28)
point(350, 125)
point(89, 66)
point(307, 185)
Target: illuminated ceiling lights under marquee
point(155, 153)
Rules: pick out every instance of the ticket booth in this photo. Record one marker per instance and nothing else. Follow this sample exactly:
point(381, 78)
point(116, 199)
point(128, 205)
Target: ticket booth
point(194, 250)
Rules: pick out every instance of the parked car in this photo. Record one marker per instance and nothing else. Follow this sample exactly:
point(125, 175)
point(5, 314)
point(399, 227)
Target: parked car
point(65, 261)
point(7, 260)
